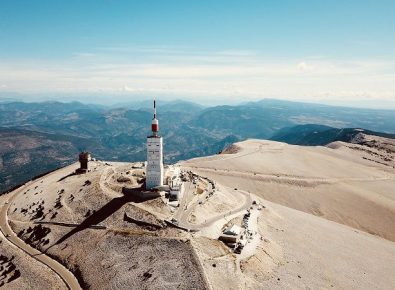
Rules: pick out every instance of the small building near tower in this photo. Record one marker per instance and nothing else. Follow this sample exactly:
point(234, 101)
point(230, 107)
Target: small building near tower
point(176, 188)
point(154, 169)
point(83, 158)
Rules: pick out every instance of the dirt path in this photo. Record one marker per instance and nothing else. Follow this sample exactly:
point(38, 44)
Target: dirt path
point(285, 178)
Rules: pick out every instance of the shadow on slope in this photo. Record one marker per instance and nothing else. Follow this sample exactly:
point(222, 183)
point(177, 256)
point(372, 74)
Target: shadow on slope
point(133, 195)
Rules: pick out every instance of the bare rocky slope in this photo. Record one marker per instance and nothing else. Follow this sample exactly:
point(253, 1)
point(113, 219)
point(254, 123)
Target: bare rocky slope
point(328, 221)
point(348, 183)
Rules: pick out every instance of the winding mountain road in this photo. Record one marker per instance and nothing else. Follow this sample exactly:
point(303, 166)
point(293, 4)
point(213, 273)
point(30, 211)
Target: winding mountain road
point(183, 215)
point(68, 278)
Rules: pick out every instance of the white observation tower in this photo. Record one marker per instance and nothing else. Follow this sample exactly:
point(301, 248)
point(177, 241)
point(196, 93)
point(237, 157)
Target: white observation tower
point(154, 171)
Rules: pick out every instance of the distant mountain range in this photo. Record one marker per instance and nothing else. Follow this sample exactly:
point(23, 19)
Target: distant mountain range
point(36, 137)
point(313, 135)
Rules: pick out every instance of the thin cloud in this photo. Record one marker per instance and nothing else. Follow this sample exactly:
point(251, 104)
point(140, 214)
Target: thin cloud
point(224, 73)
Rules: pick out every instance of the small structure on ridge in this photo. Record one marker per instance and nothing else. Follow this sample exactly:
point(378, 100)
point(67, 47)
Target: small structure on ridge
point(84, 158)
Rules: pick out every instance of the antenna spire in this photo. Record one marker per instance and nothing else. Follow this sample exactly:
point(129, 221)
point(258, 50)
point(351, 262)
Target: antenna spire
point(154, 108)
point(155, 123)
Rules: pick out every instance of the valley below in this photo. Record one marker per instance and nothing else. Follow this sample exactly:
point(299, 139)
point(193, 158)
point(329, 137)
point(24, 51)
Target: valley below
point(39, 137)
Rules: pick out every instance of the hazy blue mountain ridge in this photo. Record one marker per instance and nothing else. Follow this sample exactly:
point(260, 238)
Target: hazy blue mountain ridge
point(313, 135)
point(189, 130)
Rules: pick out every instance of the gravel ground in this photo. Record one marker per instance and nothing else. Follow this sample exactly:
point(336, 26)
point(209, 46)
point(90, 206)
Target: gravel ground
point(122, 261)
point(33, 275)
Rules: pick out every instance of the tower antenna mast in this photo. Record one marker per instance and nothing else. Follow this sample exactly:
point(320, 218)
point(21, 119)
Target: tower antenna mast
point(154, 108)
point(154, 169)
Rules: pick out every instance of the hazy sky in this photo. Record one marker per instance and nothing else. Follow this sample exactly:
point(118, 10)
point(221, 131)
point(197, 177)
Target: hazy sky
point(340, 51)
